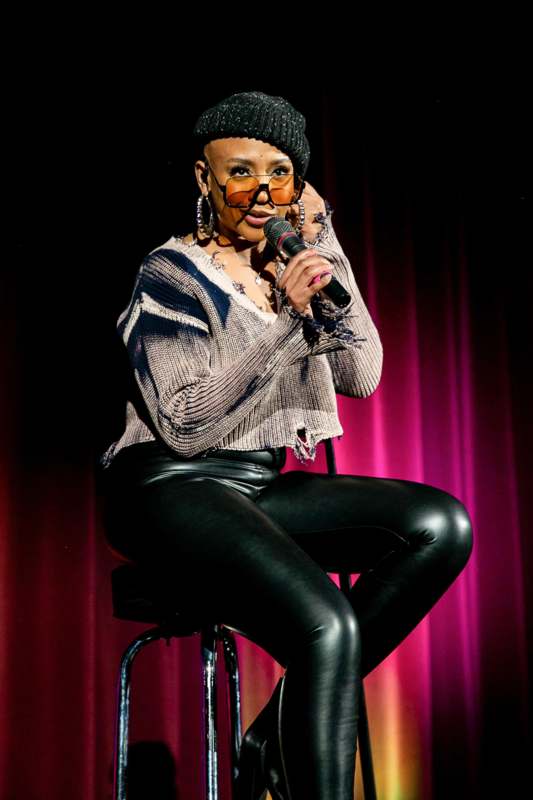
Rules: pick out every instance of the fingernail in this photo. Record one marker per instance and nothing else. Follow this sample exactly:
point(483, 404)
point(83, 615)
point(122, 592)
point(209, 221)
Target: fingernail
point(318, 278)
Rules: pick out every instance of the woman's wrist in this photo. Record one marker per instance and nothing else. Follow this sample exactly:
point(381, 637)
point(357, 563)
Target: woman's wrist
point(307, 311)
point(318, 227)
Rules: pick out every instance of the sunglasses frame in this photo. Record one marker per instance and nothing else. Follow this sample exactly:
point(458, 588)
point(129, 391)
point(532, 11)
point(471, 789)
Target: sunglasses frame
point(259, 188)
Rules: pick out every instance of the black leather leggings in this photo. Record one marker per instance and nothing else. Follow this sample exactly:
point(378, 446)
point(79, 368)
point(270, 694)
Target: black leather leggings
point(252, 547)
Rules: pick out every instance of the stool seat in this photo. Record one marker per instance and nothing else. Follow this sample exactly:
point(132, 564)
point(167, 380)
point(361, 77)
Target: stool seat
point(137, 596)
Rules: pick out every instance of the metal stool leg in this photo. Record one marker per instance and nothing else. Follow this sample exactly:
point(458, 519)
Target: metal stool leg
point(210, 637)
point(123, 711)
point(232, 671)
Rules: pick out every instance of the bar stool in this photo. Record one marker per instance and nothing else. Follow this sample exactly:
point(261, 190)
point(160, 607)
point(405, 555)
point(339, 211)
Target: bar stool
point(137, 599)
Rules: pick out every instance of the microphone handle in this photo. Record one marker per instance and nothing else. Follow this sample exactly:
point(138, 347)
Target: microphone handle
point(334, 290)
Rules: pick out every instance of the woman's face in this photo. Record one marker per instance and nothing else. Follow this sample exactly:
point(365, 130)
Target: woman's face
point(241, 156)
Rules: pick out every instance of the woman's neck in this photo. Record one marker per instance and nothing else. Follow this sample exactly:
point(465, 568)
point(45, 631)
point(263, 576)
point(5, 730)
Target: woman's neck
point(245, 251)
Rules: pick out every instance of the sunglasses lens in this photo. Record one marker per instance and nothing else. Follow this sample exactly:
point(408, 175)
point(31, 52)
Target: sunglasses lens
point(284, 189)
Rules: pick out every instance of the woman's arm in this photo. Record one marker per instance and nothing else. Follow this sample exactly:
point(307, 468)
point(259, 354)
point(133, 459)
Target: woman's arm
point(357, 367)
point(167, 334)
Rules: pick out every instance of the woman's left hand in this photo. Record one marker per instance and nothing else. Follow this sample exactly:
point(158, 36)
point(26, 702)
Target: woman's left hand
point(314, 204)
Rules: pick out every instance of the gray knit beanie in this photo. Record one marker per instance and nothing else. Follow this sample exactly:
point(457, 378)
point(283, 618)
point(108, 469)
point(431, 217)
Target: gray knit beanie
point(257, 115)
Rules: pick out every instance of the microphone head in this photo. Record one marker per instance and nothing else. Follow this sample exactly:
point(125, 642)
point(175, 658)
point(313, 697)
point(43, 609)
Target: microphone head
point(274, 228)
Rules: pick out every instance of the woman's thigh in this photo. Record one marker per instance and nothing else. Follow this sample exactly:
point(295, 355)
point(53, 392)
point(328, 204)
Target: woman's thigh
point(215, 549)
point(351, 522)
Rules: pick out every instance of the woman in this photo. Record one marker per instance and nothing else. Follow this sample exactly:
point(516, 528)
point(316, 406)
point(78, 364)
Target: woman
point(236, 355)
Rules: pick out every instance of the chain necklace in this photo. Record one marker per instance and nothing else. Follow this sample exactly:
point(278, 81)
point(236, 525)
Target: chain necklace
point(237, 285)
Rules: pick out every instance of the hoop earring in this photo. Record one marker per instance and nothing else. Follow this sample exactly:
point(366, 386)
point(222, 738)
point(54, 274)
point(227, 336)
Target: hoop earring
point(208, 228)
point(301, 218)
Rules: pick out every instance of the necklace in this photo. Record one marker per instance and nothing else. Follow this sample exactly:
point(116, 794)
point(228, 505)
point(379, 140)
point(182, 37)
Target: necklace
point(237, 285)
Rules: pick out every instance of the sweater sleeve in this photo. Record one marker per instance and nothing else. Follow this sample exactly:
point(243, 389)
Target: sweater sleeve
point(167, 335)
point(357, 366)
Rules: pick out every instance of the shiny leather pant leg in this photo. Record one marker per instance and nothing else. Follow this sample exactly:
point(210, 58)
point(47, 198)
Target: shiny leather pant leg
point(408, 540)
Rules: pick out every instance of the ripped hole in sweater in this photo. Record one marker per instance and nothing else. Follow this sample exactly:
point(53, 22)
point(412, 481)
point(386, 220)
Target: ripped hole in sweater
point(304, 446)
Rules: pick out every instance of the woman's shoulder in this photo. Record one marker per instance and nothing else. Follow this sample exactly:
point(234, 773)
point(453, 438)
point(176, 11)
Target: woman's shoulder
point(172, 261)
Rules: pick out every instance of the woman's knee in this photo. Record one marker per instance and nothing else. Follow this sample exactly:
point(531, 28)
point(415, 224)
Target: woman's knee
point(441, 521)
point(337, 628)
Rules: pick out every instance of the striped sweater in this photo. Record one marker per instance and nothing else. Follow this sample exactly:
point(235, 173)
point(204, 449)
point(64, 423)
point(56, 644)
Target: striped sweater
point(217, 372)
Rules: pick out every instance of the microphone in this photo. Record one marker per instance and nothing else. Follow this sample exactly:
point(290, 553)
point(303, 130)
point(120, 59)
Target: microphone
point(284, 239)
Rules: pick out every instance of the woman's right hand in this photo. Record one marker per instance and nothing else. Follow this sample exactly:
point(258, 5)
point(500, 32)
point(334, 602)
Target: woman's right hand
point(302, 279)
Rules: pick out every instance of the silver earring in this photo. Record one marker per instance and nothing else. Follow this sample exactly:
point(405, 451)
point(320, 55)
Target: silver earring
point(301, 218)
point(200, 222)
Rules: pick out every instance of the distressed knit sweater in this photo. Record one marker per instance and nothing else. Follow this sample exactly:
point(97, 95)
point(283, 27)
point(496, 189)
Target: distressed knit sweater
point(217, 372)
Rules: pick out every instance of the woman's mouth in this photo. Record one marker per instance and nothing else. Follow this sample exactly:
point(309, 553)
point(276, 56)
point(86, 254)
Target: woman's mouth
point(257, 222)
